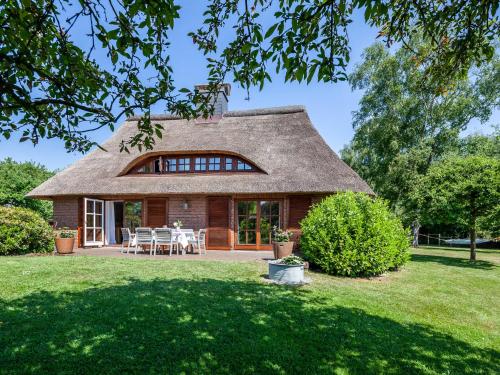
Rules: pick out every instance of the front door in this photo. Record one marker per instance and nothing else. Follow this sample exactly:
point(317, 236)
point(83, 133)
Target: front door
point(218, 237)
point(93, 227)
point(255, 220)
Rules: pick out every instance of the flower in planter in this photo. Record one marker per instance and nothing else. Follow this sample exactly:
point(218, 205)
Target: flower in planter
point(65, 232)
point(291, 260)
point(280, 235)
point(178, 224)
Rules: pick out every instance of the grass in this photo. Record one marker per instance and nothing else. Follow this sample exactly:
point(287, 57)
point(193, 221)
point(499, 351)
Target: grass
point(440, 315)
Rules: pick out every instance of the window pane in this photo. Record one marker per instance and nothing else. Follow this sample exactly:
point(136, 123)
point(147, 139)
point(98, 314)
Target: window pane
point(157, 167)
point(90, 220)
point(265, 208)
point(89, 235)
point(264, 237)
point(184, 164)
point(243, 223)
point(146, 168)
point(171, 165)
point(229, 164)
point(98, 234)
point(275, 208)
point(200, 164)
point(265, 228)
point(214, 164)
point(252, 207)
point(251, 238)
point(98, 221)
point(241, 165)
point(132, 216)
point(275, 221)
point(247, 167)
point(242, 238)
point(98, 207)
point(90, 206)
point(242, 208)
point(252, 222)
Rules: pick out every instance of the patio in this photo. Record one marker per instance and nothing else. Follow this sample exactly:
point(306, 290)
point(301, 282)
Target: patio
point(224, 255)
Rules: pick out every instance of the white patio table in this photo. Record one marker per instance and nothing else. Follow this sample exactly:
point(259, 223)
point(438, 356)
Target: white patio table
point(180, 237)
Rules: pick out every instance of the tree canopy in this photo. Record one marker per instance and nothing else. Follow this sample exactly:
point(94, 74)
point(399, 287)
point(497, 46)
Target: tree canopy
point(18, 179)
point(54, 87)
point(461, 191)
point(405, 120)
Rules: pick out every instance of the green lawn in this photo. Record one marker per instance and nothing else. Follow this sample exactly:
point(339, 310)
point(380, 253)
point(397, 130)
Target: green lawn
point(107, 315)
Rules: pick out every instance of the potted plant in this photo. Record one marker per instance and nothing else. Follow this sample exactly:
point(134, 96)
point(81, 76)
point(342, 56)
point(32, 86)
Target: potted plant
point(177, 225)
point(288, 270)
point(65, 240)
point(282, 246)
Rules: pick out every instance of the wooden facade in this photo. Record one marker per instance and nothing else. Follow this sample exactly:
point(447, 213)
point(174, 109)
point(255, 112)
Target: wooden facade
point(218, 214)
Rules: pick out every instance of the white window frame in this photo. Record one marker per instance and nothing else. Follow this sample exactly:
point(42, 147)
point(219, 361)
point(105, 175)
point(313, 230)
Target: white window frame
point(94, 228)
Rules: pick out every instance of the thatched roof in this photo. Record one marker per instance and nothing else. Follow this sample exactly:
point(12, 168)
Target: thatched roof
point(282, 142)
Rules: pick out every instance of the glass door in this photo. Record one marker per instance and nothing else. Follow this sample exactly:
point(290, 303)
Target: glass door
point(247, 223)
point(132, 215)
point(255, 220)
point(269, 218)
point(94, 222)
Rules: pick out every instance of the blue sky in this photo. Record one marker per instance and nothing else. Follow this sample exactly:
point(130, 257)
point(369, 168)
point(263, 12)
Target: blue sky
point(330, 106)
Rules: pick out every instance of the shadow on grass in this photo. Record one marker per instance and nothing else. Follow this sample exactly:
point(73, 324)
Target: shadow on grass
point(215, 326)
point(452, 261)
point(460, 249)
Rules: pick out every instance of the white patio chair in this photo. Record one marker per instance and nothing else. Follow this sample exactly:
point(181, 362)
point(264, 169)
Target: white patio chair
point(144, 236)
point(127, 238)
point(190, 236)
point(200, 242)
point(164, 237)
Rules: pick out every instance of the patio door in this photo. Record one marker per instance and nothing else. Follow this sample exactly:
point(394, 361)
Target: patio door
point(93, 228)
point(255, 220)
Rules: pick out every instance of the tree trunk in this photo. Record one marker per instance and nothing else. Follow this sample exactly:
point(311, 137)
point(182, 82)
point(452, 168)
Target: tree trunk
point(415, 227)
point(472, 235)
point(472, 230)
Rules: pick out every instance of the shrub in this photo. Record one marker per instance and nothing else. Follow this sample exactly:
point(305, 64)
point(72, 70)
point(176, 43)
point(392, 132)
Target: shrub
point(24, 231)
point(351, 234)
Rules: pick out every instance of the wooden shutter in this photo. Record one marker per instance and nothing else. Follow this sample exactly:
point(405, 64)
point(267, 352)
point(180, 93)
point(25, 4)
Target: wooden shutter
point(218, 223)
point(298, 208)
point(156, 213)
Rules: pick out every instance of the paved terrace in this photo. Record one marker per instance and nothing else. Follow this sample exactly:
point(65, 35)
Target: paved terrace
point(233, 255)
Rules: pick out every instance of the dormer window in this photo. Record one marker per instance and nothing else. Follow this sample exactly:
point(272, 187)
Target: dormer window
point(181, 164)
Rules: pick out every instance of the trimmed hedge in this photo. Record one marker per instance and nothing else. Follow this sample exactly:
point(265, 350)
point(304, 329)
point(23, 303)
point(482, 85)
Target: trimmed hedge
point(352, 234)
point(23, 231)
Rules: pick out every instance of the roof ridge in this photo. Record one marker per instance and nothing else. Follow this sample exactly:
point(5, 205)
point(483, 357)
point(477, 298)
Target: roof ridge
point(266, 111)
point(237, 113)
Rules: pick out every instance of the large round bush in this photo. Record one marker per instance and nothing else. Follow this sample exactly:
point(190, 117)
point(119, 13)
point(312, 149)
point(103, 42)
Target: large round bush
point(352, 234)
point(24, 231)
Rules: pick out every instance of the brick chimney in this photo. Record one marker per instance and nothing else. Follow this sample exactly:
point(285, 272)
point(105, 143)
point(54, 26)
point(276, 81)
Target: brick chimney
point(220, 100)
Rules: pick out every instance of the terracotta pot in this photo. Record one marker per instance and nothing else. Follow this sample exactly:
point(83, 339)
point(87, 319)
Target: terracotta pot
point(65, 245)
point(282, 249)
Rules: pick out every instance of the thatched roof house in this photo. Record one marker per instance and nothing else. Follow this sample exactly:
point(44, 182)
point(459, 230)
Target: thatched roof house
point(236, 174)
